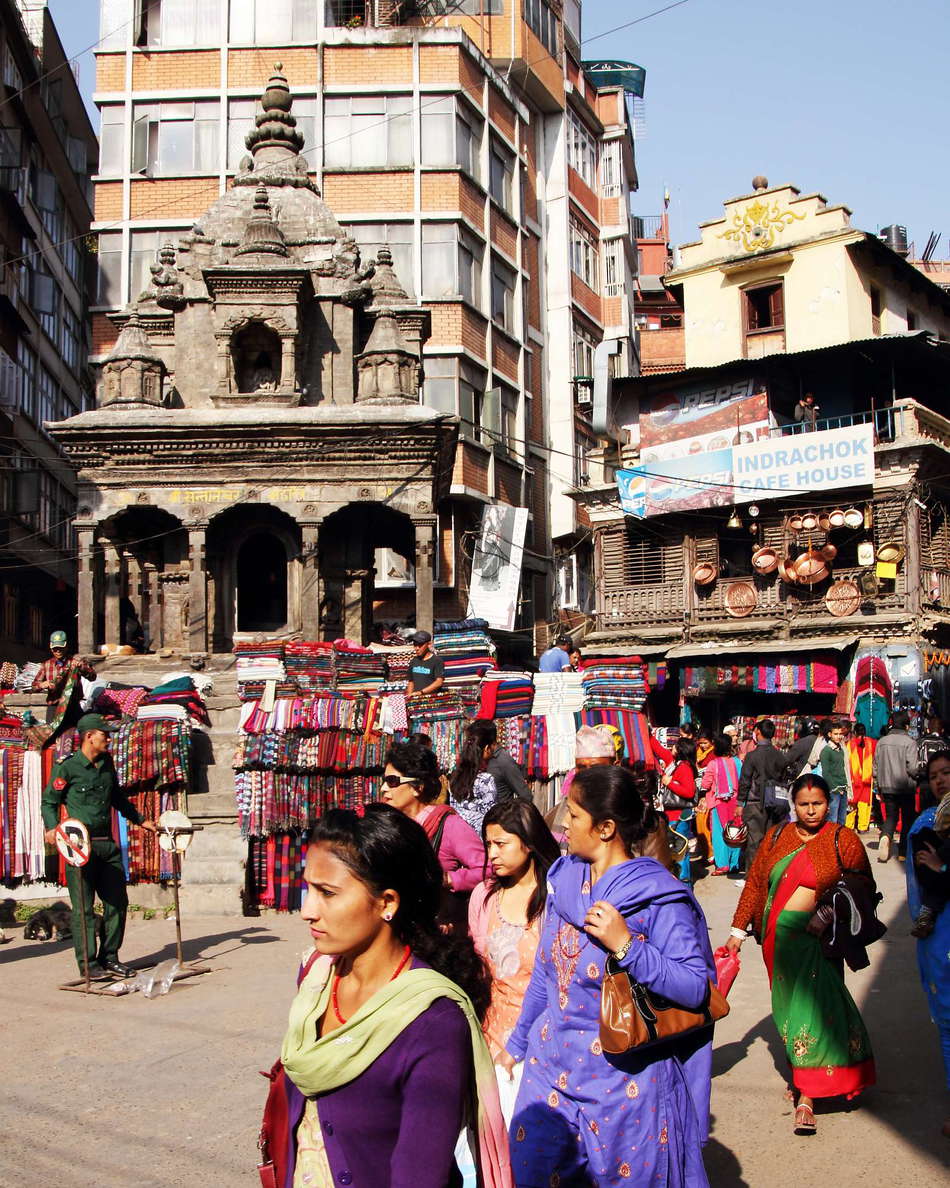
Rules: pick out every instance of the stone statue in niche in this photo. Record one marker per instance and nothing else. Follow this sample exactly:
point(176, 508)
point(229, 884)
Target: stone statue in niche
point(263, 379)
point(256, 357)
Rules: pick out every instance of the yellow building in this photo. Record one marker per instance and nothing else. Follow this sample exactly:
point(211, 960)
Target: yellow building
point(783, 271)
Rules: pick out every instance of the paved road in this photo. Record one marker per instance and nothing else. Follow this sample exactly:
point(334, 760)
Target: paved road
point(165, 1093)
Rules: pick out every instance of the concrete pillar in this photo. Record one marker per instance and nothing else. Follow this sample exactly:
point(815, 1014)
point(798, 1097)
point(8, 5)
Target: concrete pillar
point(86, 591)
point(912, 544)
point(425, 571)
point(197, 590)
point(288, 379)
point(113, 592)
point(310, 592)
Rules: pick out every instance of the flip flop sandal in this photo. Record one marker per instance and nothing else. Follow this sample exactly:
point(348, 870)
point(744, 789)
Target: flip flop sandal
point(805, 1120)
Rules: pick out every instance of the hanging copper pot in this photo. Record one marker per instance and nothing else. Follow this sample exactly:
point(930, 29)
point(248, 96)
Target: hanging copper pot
point(811, 567)
point(795, 522)
point(765, 560)
point(829, 551)
point(853, 518)
point(824, 522)
point(838, 518)
point(809, 521)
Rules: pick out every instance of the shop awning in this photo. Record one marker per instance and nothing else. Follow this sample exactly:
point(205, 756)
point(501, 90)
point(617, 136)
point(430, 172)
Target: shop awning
point(644, 651)
point(734, 647)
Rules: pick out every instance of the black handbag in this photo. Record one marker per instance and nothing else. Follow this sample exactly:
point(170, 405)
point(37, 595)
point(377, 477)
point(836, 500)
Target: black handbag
point(673, 800)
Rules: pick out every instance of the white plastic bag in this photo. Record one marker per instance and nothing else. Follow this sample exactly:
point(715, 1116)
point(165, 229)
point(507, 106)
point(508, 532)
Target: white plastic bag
point(507, 1092)
point(156, 981)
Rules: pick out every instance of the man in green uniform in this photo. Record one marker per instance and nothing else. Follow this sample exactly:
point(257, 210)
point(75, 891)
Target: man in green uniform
point(86, 783)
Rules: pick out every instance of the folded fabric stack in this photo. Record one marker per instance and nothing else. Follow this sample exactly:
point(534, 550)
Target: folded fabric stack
point(309, 664)
point(175, 700)
point(466, 650)
point(116, 702)
point(436, 707)
point(398, 658)
point(260, 661)
point(633, 728)
point(505, 694)
point(614, 682)
point(357, 667)
point(558, 693)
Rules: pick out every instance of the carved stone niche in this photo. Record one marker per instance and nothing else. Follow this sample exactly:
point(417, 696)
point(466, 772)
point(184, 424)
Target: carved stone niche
point(132, 372)
point(256, 359)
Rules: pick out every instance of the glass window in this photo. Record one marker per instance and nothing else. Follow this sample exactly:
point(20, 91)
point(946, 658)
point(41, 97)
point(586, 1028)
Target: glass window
point(584, 344)
point(503, 294)
point(451, 134)
point(145, 245)
point(451, 262)
point(72, 339)
point(584, 255)
point(254, 22)
point(109, 289)
point(180, 22)
point(610, 169)
point(47, 396)
point(543, 23)
point(28, 383)
point(581, 149)
point(501, 169)
point(479, 7)
point(111, 140)
point(174, 138)
point(400, 240)
point(454, 386)
point(113, 23)
point(368, 130)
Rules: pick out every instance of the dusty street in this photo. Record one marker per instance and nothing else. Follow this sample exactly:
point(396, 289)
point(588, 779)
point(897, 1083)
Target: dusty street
point(166, 1092)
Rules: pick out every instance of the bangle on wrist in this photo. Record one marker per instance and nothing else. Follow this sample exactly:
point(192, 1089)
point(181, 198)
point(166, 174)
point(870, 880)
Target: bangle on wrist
point(624, 949)
point(739, 933)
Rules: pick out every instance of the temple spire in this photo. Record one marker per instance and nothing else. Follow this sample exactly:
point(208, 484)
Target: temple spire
point(275, 134)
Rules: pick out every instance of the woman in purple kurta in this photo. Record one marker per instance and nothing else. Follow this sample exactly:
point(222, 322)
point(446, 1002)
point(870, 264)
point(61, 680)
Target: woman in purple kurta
point(583, 1117)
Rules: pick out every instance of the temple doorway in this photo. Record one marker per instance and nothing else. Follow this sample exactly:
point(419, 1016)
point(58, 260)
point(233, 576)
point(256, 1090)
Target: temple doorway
point(262, 583)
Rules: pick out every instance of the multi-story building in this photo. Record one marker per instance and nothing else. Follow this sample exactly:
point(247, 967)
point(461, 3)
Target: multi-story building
point(783, 512)
point(659, 316)
point(475, 147)
point(47, 151)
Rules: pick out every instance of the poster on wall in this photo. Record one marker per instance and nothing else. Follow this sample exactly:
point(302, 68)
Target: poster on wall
point(496, 566)
point(745, 473)
point(701, 417)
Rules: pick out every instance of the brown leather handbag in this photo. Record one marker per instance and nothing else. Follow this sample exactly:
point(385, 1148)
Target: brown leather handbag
point(631, 1016)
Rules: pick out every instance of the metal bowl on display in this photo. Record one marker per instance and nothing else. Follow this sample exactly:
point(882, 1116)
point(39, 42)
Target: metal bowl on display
point(740, 599)
point(810, 567)
point(809, 521)
point(765, 560)
point(824, 522)
point(843, 598)
point(735, 833)
point(786, 571)
point(704, 574)
point(795, 522)
point(852, 518)
point(891, 551)
point(839, 518)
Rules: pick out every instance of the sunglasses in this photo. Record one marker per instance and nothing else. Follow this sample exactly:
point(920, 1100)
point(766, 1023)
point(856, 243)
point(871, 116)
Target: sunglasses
point(396, 781)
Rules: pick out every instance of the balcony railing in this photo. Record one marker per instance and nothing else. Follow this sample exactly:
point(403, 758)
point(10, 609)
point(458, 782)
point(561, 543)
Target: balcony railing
point(647, 226)
point(884, 421)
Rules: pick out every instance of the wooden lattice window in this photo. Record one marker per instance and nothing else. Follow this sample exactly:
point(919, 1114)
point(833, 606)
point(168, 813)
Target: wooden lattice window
point(633, 560)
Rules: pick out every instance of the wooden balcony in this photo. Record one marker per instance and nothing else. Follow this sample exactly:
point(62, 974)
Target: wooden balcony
point(660, 604)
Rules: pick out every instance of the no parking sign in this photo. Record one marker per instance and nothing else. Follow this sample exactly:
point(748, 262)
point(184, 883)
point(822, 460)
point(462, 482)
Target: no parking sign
point(72, 841)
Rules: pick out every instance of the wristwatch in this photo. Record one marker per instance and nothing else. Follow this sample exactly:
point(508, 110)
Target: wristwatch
point(624, 949)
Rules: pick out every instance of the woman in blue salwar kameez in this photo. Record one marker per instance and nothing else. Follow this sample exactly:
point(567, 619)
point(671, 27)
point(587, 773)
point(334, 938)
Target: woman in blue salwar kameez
point(583, 1117)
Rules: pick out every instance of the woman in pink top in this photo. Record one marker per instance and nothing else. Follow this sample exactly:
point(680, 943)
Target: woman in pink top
point(506, 910)
point(411, 784)
point(719, 785)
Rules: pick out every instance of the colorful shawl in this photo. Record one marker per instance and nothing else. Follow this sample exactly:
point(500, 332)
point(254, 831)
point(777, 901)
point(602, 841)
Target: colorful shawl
point(321, 1064)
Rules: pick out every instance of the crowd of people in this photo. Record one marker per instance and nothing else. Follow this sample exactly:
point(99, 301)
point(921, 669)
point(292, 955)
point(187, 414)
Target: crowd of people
point(462, 942)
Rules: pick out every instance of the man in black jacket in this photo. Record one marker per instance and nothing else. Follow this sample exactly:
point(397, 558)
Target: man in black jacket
point(764, 765)
point(805, 752)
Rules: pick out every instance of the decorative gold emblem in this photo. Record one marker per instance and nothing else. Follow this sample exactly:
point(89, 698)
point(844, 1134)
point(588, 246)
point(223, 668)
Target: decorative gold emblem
point(562, 1081)
point(633, 1089)
point(553, 1100)
point(757, 225)
point(624, 1170)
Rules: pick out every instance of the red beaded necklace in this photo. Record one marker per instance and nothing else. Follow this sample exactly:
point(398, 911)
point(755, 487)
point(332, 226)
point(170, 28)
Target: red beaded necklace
point(335, 1002)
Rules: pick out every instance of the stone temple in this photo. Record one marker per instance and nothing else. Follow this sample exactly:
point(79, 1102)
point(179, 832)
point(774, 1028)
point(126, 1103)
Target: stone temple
point(258, 433)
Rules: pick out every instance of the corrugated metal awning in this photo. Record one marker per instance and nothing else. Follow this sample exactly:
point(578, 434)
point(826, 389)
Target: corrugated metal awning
point(818, 643)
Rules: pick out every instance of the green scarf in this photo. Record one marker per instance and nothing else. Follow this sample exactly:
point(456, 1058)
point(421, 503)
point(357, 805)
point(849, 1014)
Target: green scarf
point(318, 1064)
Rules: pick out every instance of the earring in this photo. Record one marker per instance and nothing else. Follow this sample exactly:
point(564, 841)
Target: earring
point(388, 917)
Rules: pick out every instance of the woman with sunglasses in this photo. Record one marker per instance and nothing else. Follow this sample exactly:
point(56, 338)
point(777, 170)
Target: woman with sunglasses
point(411, 785)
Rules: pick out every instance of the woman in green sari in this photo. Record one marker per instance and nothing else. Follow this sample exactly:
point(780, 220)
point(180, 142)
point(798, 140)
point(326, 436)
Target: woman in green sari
point(824, 1035)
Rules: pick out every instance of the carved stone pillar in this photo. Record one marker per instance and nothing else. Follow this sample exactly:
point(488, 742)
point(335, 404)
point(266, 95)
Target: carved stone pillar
point(425, 571)
point(152, 618)
point(113, 593)
point(86, 591)
point(358, 585)
point(288, 377)
point(197, 590)
point(310, 592)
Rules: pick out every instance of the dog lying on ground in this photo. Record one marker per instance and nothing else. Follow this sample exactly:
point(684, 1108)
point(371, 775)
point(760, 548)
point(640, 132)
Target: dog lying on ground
point(54, 923)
